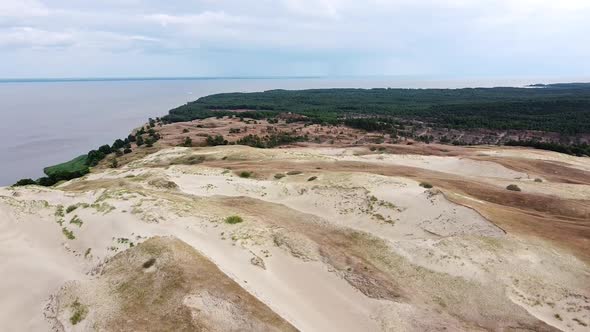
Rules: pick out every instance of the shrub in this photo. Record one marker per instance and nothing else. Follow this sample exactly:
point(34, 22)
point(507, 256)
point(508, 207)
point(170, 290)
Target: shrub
point(538, 180)
point(312, 178)
point(245, 174)
point(79, 312)
point(127, 150)
point(279, 176)
point(188, 142)
point(24, 182)
point(425, 185)
point(71, 208)
point(294, 173)
point(68, 233)
point(76, 221)
point(185, 130)
point(114, 163)
point(513, 187)
point(233, 220)
point(149, 263)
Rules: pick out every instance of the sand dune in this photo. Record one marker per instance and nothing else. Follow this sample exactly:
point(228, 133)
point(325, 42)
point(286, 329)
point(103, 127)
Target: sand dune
point(344, 239)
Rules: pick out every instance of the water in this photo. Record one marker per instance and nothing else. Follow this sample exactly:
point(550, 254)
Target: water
point(46, 122)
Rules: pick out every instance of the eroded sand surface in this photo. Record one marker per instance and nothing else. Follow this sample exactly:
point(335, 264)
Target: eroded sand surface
point(332, 239)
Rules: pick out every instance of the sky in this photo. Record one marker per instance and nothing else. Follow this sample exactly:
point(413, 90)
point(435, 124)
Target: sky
point(435, 38)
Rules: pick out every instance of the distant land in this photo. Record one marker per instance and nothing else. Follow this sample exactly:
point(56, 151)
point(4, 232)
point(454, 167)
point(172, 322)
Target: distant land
point(548, 116)
point(124, 79)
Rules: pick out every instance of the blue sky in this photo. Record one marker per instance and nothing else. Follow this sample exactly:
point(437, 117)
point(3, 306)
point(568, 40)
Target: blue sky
point(442, 38)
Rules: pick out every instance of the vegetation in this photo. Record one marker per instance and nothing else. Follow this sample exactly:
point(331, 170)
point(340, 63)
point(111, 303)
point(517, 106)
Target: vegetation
point(270, 141)
point(312, 178)
point(25, 182)
point(80, 166)
point(79, 312)
point(245, 174)
point(71, 208)
point(188, 142)
point(68, 233)
point(215, 140)
point(279, 176)
point(293, 172)
point(426, 185)
point(114, 163)
point(555, 108)
point(233, 220)
point(149, 263)
point(582, 149)
point(76, 221)
point(513, 187)
point(76, 165)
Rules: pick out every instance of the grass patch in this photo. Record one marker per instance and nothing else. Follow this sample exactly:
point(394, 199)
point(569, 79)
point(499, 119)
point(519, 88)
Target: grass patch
point(513, 187)
point(77, 164)
point(68, 233)
point(76, 221)
point(294, 172)
point(425, 185)
point(79, 312)
point(59, 211)
point(312, 178)
point(279, 176)
point(245, 174)
point(233, 220)
point(187, 160)
point(87, 253)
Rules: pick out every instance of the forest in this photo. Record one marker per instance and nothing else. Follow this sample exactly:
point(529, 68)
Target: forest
point(561, 108)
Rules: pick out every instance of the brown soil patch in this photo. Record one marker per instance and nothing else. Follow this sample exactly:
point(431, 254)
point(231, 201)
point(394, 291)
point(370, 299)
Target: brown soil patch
point(563, 221)
point(163, 284)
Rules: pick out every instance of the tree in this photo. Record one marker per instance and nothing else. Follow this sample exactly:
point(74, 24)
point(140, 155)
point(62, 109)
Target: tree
point(215, 140)
point(127, 150)
point(131, 138)
point(119, 143)
point(114, 163)
point(94, 157)
point(24, 182)
point(106, 149)
point(139, 140)
point(188, 142)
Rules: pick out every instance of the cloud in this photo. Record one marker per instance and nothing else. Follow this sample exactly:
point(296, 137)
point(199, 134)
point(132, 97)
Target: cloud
point(27, 37)
point(340, 36)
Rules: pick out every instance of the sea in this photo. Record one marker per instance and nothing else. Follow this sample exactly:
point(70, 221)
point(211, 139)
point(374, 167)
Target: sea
point(44, 122)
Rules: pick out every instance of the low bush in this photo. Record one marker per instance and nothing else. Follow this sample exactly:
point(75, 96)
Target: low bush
point(425, 185)
point(24, 182)
point(233, 220)
point(312, 178)
point(279, 176)
point(513, 187)
point(245, 174)
point(79, 312)
point(147, 264)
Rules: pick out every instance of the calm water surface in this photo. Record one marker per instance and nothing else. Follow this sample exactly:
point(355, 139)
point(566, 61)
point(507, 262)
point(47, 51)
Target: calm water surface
point(45, 123)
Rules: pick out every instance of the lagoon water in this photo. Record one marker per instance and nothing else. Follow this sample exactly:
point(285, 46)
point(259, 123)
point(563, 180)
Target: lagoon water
point(45, 122)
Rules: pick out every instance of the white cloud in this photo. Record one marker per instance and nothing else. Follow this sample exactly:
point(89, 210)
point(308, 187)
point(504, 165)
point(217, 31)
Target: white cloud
point(27, 37)
point(22, 9)
point(388, 36)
